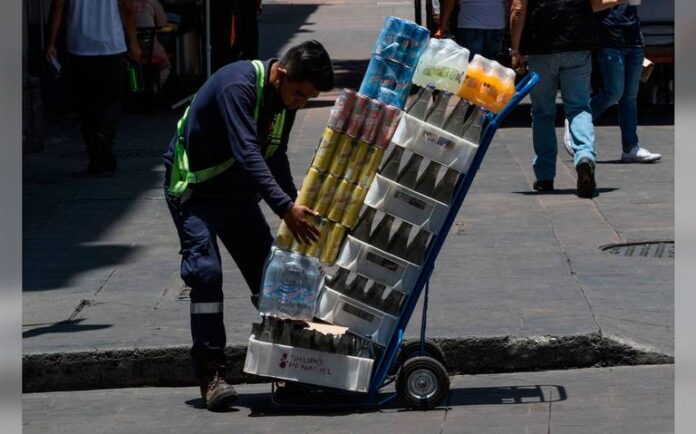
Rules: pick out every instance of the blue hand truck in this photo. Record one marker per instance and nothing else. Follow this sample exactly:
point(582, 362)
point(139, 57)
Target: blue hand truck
point(419, 367)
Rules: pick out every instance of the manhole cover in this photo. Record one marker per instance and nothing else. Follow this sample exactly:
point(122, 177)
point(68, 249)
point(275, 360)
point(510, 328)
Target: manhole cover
point(645, 249)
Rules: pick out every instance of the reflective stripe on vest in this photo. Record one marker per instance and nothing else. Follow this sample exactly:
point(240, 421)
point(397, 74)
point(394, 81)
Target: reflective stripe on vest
point(181, 176)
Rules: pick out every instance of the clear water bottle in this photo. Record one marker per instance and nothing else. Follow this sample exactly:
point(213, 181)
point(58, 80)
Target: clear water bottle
point(472, 131)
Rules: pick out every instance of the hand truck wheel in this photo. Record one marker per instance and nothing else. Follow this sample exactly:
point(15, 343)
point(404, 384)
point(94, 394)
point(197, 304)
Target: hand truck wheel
point(411, 348)
point(422, 383)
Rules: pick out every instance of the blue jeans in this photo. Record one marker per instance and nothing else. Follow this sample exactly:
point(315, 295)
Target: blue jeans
point(621, 69)
point(572, 70)
point(485, 42)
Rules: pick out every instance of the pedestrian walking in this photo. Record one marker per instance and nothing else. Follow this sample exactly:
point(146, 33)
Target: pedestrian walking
point(480, 25)
point(620, 61)
point(149, 14)
point(557, 37)
point(229, 151)
point(97, 47)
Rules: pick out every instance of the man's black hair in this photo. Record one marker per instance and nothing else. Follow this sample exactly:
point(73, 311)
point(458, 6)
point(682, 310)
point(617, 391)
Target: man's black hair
point(309, 61)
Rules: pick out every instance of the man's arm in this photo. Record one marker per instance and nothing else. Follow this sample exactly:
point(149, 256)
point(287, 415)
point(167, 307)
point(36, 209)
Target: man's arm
point(279, 164)
point(129, 22)
point(518, 15)
point(54, 26)
point(446, 8)
point(600, 5)
point(236, 103)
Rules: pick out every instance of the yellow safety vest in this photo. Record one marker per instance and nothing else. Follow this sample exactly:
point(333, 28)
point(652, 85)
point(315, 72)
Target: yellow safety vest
point(181, 176)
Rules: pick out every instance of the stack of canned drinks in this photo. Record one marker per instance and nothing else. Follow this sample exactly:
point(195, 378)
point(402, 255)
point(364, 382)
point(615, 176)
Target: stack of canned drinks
point(344, 164)
point(293, 334)
point(395, 55)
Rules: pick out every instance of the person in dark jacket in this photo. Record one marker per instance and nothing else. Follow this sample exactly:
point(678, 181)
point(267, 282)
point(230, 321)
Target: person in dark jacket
point(237, 119)
point(557, 37)
point(620, 61)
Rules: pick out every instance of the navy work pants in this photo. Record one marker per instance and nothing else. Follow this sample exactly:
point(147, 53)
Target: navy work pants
point(244, 232)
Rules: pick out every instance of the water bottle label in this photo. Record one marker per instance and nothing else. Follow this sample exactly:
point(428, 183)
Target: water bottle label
point(410, 200)
point(443, 72)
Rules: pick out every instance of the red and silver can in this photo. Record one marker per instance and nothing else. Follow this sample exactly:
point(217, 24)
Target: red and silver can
point(357, 118)
point(372, 121)
point(342, 109)
point(390, 120)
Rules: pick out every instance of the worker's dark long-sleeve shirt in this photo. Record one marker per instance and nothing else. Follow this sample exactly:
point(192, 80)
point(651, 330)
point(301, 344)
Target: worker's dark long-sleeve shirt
point(221, 125)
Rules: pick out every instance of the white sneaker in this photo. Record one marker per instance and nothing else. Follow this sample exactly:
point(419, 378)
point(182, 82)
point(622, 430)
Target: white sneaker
point(639, 155)
point(567, 142)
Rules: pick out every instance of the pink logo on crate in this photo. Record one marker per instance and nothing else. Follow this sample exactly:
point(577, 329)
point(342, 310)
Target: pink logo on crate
point(283, 361)
point(306, 364)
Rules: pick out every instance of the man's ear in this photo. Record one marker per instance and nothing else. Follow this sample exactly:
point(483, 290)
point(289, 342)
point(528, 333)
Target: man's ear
point(282, 73)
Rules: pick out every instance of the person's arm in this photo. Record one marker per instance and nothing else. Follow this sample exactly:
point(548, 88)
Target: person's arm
point(54, 26)
point(160, 14)
point(446, 8)
point(236, 103)
point(600, 5)
point(129, 22)
point(279, 164)
point(518, 15)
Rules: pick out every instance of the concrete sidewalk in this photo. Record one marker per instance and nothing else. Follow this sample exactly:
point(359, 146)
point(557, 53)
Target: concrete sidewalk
point(627, 400)
point(521, 282)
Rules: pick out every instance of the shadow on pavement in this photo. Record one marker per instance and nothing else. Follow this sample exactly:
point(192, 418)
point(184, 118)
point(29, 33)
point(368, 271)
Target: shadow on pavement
point(279, 23)
point(562, 191)
point(260, 403)
point(68, 326)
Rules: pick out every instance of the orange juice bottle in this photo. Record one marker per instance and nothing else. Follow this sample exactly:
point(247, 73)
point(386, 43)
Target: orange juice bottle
point(471, 86)
point(507, 88)
point(491, 85)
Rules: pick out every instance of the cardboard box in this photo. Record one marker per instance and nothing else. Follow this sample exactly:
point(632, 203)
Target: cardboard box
point(309, 366)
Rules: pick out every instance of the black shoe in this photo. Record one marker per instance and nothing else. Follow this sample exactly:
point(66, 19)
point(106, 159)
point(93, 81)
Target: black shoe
point(586, 179)
point(105, 152)
point(216, 392)
point(543, 186)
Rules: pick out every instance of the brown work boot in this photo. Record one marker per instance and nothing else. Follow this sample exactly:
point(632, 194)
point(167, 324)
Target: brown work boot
point(217, 394)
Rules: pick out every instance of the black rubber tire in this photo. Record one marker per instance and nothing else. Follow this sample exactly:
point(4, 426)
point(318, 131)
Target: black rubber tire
point(411, 348)
point(422, 383)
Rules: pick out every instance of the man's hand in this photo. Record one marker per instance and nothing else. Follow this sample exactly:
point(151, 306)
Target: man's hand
point(442, 31)
point(51, 52)
point(518, 63)
point(297, 218)
point(134, 52)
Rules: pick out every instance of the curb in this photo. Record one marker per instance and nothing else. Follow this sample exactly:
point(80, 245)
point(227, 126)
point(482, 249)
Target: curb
point(171, 366)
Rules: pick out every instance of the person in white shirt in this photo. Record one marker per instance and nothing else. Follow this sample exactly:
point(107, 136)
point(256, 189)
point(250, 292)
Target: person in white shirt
point(96, 45)
point(480, 25)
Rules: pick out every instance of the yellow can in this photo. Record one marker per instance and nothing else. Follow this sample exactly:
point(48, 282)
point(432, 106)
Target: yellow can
point(339, 162)
point(370, 166)
point(340, 200)
point(310, 188)
point(284, 239)
point(298, 247)
point(326, 193)
point(355, 162)
point(314, 249)
point(352, 211)
point(332, 245)
point(325, 150)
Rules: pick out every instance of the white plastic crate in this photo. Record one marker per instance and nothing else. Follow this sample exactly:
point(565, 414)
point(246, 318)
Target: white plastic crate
point(392, 198)
point(360, 318)
point(434, 143)
point(308, 366)
point(378, 265)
